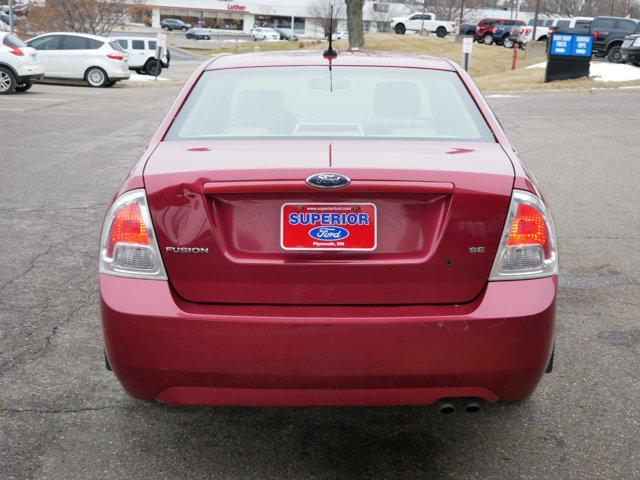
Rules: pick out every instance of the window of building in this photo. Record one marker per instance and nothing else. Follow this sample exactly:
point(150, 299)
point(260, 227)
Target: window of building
point(224, 20)
point(272, 21)
point(298, 25)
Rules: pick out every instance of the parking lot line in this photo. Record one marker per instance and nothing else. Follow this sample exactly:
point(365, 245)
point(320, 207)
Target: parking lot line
point(12, 109)
point(35, 99)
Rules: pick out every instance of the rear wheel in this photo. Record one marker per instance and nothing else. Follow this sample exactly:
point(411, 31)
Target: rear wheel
point(508, 43)
point(488, 39)
point(152, 67)
point(441, 32)
point(7, 81)
point(97, 77)
point(614, 55)
point(400, 29)
point(23, 87)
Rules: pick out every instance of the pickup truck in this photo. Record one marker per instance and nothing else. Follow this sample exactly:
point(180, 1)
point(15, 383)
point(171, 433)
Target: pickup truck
point(495, 30)
point(418, 21)
point(608, 35)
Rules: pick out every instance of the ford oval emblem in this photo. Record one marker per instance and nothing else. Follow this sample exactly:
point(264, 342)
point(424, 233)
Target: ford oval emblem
point(328, 180)
point(329, 233)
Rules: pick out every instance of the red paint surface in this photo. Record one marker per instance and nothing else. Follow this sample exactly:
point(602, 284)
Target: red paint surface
point(500, 343)
point(252, 324)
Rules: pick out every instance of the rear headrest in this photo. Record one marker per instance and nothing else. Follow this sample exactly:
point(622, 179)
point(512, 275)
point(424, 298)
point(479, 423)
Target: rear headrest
point(397, 99)
point(268, 102)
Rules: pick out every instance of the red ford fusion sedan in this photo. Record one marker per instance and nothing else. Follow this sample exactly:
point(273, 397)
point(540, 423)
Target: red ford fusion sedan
point(304, 230)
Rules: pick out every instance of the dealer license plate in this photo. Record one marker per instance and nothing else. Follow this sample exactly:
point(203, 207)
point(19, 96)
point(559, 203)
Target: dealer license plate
point(328, 226)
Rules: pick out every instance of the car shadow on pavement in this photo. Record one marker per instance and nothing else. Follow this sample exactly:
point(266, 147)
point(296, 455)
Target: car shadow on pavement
point(330, 442)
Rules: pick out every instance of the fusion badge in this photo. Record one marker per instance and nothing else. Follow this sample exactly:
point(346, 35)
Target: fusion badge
point(322, 226)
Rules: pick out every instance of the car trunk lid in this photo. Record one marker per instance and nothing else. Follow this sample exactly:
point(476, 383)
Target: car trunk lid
point(217, 210)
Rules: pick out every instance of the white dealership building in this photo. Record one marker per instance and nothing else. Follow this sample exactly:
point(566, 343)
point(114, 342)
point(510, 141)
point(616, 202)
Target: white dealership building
point(242, 16)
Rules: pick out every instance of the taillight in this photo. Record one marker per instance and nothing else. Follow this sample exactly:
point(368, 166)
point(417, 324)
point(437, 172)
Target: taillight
point(115, 56)
point(17, 52)
point(528, 246)
point(595, 36)
point(128, 245)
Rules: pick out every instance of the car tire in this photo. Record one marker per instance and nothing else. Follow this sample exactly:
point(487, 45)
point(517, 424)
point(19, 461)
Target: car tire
point(441, 32)
point(400, 29)
point(207, 38)
point(166, 29)
point(96, 77)
point(488, 39)
point(184, 29)
point(152, 66)
point(8, 82)
point(23, 87)
point(614, 55)
point(508, 43)
point(110, 84)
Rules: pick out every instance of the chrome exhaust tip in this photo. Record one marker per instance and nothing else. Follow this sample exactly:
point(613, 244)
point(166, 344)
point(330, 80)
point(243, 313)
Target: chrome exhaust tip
point(445, 407)
point(472, 406)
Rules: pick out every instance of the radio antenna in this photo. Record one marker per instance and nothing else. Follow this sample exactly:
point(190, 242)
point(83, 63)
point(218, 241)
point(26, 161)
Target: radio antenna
point(330, 53)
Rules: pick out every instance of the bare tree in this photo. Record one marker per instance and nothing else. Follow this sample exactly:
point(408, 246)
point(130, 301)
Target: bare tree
point(354, 23)
point(97, 17)
point(446, 9)
point(587, 8)
point(319, 12)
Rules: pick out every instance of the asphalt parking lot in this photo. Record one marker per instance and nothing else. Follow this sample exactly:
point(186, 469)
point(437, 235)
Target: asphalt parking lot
point(63, 152)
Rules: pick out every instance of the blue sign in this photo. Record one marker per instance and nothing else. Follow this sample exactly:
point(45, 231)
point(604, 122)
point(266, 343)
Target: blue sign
point(571, 45)
point(582, 45)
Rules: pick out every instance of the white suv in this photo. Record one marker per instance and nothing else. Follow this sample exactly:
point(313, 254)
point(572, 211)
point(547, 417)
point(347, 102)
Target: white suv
point(100, 61)
point(19, 66)
point(264, 33)
point(142, 54)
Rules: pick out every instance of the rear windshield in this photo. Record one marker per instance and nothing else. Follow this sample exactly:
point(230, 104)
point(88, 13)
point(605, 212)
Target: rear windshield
point(13, 42)
point(314, 102)
point(116, 46)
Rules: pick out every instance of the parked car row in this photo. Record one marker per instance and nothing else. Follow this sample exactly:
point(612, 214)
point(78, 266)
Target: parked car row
point(99, 61)
point(614, 37)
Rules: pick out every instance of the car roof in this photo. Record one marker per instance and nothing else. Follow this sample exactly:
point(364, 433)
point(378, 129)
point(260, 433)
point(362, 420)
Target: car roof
point(74, 34)
point(606, 17)
point(362, 58)
point(153, 39)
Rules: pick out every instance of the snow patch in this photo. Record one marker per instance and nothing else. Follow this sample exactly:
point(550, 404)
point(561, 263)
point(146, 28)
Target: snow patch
point(146, 78)
point(607, 72)
point(499, 95)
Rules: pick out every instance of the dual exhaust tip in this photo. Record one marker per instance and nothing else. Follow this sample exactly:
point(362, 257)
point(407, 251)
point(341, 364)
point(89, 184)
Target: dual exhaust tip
point(469, 405)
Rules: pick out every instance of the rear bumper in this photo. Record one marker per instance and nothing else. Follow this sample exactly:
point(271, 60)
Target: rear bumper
point(29, 73)
point(161, 347)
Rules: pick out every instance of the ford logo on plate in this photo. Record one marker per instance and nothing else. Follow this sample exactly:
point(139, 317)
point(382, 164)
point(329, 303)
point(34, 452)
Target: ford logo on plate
point(328, 233)
point(328, 180)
